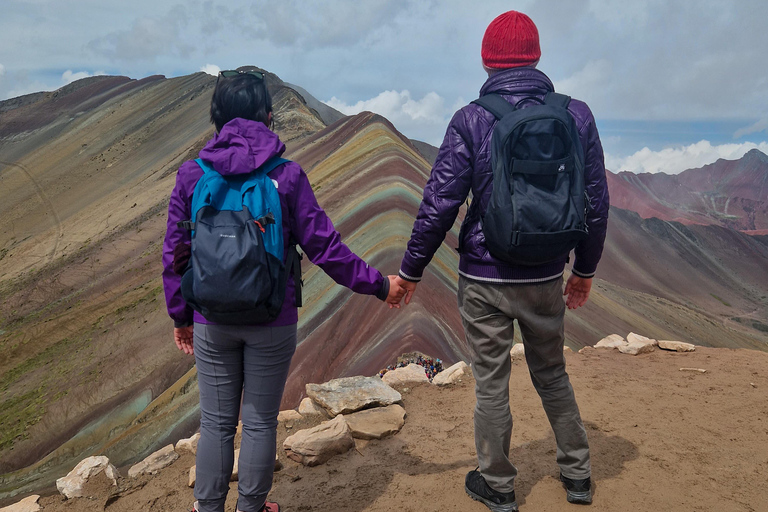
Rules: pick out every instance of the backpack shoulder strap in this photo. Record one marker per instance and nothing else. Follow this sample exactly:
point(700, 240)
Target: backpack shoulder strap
point(272, 164)
point(495, 104)
point(557, 100)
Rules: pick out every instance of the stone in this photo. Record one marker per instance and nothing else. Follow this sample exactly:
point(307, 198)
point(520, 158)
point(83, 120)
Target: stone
point(376, 423)
point(188, 445)
point(316, 445)
point(155, 462)
point(407, 375)
point(235, 473)
point(518, 351)
point(308, 407)
point(699, 370)
point(289, 415)
point(192, 476)
point(566, 348)
point(636, 348)
point(71, 485)
point(636, 338)
point(677, 346)
point(612, 341)
point(278, 464)
point(452, 374)
point(350, 394)
point(28, 504)
point(585, 350)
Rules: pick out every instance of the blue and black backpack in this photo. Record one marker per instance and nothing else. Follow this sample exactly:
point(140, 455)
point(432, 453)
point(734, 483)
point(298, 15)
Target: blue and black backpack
point(537, 211)
point(236, 273)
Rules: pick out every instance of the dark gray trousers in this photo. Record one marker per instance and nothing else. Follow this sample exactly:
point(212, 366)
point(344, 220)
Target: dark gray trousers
point(488, 311)
point(232, 362)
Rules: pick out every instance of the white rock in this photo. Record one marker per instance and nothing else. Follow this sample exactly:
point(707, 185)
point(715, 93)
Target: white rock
point(308, 407)
point(451, 374)
point(350, 394)
point(677, 346)
point(518, 351)
point(316, 445)
point(699, 370)
point(636, 347)
point(288, 415)
point(376, 423)
point(192, 476)
point(636, 338)
point(71, 485)
point(407, 375)
point(612, 341)
point(235, 471)
point(28, 504)
point(155, 462)
point(566, 348)
point(188, 445)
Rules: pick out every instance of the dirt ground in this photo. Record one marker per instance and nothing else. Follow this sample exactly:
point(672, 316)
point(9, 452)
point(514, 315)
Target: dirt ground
point(661, 439)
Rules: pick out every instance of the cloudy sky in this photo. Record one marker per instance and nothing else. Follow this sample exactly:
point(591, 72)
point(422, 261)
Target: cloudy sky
point(673, 84)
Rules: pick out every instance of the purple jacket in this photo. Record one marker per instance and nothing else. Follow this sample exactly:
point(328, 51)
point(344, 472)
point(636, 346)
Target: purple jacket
point(239, 148)
point(463, 164)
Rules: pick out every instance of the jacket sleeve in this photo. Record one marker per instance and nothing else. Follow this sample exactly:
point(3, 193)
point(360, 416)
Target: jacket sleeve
point(321, 242)
point(589, 251)
point(178, 209)
point(446, 190)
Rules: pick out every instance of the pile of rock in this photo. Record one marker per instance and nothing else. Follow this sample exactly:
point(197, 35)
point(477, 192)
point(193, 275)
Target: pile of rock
point(637, 344)
point(414, 374)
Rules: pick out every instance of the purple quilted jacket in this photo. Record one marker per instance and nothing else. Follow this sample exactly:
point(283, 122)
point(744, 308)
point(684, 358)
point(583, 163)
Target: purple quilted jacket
point(463, 165)
point(241, 147)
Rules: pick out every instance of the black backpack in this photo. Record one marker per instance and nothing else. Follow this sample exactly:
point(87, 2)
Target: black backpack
point(537, 210)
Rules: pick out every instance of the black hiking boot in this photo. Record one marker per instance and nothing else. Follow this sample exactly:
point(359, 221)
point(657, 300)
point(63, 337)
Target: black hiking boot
point(477, 489)
point(577, 491)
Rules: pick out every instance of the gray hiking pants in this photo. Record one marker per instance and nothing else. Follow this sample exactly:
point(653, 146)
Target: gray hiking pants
point(232, 362)
point(487, 312)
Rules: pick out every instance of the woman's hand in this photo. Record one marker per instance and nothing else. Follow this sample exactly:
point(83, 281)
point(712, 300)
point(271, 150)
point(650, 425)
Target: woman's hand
point(396, 293)
point(184, 340)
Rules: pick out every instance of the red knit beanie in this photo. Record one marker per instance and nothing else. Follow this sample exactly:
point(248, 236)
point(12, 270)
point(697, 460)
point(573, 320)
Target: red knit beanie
point(511, 40)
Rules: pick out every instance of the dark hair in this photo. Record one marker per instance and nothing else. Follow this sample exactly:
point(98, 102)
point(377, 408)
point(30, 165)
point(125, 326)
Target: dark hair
point(242, 96)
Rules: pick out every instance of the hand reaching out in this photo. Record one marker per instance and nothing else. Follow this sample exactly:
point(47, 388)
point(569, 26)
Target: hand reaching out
point(408, 286)
point(577, 289)
point(183, 338)
point(395, 293)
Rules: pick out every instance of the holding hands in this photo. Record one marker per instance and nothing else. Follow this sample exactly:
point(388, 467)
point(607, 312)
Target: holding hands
point(399, 288)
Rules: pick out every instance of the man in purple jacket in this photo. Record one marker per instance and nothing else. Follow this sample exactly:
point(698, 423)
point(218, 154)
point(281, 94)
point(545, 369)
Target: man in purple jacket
point(492, 294)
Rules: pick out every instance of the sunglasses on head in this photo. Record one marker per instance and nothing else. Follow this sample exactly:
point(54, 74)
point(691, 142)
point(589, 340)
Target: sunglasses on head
point(229, 73)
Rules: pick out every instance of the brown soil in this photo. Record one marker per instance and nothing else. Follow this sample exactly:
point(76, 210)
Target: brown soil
point(661, 439)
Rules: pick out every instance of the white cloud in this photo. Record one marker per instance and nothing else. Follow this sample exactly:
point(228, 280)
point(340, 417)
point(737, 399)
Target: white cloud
point(211, 69)
point(588, 83)
point(70, 76)
point(759, 126)
point(424, 119)
point(677, 159)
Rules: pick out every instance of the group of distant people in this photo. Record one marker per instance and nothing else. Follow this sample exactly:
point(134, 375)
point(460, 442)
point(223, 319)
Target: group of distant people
point(518, 168)
point(432, 366)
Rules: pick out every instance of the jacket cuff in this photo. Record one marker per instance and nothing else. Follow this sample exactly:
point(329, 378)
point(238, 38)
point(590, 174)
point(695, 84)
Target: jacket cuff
point(582, 274)
point(179, 325)
point(383, 292)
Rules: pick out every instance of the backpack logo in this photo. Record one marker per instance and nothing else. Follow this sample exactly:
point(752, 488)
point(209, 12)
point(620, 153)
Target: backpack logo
point(536, 213)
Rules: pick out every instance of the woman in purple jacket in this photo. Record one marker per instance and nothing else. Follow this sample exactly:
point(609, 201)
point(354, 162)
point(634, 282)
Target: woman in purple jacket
point(252, 361)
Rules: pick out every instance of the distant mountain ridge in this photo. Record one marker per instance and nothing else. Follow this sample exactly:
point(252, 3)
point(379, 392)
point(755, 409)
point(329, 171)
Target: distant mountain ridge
point(728, 193)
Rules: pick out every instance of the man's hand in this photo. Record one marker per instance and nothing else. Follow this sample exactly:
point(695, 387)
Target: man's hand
point(409, 286)
point(577, 289)
point(183, 338)
point(396, 293)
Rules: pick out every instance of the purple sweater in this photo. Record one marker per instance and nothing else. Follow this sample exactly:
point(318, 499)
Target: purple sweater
point(239, 148)
point(463, 164)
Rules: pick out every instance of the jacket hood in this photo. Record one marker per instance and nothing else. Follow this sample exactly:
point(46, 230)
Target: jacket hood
point(518, 81)
point(241, 146)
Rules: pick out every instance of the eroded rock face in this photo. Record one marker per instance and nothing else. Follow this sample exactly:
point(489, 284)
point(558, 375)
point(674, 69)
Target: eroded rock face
point(155, 462)
point(71, 485)
point(612, 341)
point(451, 374)
point(677, 346)
point(308, 407)
point(350, 394)
point(407, 375)
point(376, 423)
point(28, 504)
point(316, 445)
point(188, 445)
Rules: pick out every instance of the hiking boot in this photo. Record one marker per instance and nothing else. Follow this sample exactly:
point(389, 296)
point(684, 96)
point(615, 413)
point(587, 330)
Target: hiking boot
point(477, 489)
point(577, 491)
